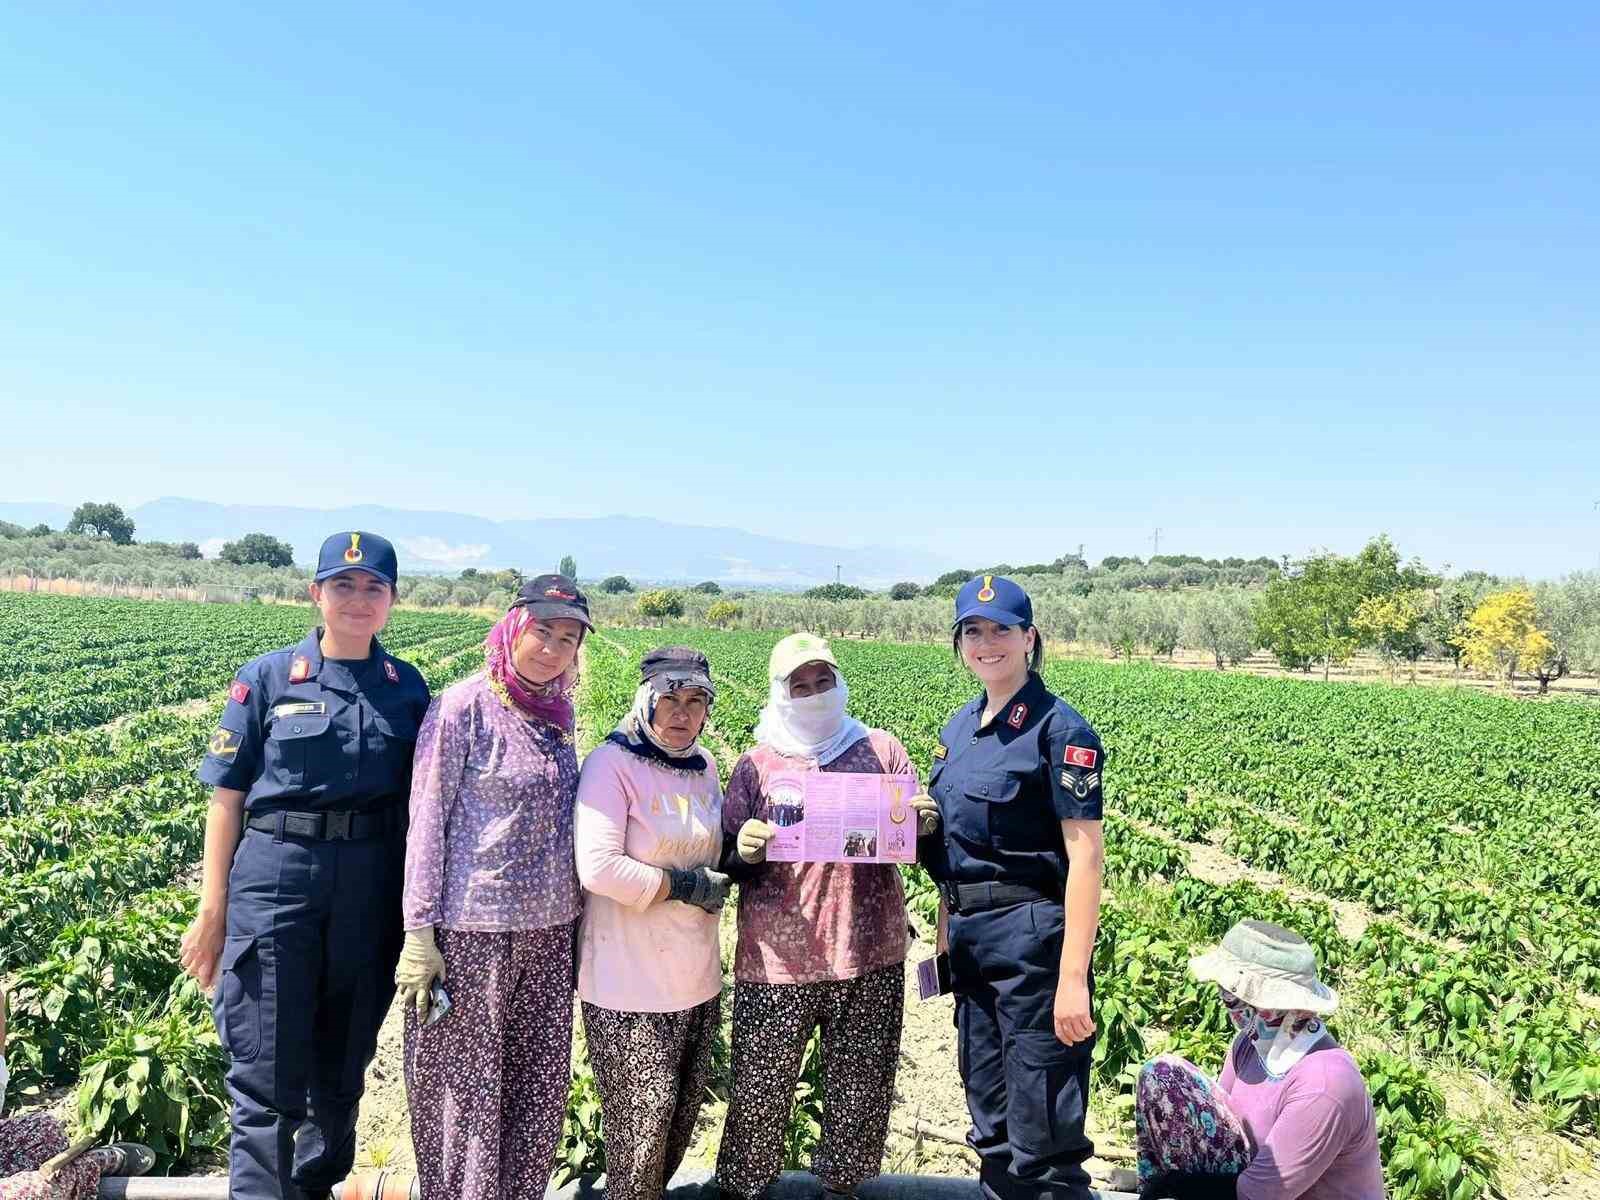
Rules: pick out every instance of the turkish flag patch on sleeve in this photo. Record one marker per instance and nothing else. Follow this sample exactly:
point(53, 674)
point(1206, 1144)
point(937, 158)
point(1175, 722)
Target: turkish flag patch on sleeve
point(1080, 756)
point(239, 692)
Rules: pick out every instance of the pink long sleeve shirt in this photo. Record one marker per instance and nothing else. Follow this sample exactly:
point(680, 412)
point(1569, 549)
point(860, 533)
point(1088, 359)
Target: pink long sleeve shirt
point(1314, 1130)
point(635, 818)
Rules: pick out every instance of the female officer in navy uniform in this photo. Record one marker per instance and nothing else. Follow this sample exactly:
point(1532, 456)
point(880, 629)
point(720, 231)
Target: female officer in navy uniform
point(1017, 853)
point(305, 853)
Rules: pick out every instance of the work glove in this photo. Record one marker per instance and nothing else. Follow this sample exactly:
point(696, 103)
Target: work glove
point(927, 814)
point(1190, 1185)
point(701, 887)
point(753, 838)
point(420, 964)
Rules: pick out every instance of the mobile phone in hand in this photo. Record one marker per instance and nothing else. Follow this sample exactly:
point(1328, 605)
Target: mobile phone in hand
point(438, 1004)
point(933, 977)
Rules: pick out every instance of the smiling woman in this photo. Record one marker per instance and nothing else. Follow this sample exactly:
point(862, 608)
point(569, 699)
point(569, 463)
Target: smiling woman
point(490, 898)
point(1018, 855)
point(312, 762)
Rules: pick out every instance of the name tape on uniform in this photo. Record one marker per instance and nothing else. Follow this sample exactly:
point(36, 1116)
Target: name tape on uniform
point(302, 709)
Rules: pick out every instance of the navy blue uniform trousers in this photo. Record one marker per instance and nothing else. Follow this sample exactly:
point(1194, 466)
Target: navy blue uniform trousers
point(314, 932)
point(1026, 1091)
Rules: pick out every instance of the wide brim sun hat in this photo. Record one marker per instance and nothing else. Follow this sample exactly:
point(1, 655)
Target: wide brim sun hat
point(1267, 966)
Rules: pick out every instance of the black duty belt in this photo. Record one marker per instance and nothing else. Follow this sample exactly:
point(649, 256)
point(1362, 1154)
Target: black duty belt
point(976, 897)
point(331, 826)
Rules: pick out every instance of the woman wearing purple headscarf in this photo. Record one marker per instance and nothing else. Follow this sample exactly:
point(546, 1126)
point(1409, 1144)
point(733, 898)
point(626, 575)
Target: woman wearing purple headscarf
point(491, 895)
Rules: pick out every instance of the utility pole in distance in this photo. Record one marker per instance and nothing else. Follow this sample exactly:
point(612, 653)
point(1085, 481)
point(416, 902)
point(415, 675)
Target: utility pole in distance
point(1155, 542)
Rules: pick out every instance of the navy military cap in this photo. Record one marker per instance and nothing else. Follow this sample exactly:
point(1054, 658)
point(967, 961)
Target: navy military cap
point(994, 597)
point(357, 551)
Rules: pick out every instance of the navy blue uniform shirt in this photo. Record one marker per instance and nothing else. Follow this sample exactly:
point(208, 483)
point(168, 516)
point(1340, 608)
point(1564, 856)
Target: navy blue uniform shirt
point(308, 734)
point(1003, 790)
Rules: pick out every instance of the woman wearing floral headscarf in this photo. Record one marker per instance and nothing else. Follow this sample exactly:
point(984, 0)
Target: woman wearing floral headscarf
point(1290, 1118)
point(491, 895)
point(649, 838)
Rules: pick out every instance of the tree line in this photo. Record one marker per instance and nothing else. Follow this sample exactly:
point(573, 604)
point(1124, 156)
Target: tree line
point(1310, 614)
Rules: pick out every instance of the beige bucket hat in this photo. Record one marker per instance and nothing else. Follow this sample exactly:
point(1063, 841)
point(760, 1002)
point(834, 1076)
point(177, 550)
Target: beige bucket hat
point(1267, 966)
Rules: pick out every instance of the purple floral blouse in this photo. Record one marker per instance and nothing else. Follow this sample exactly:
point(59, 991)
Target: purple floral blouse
point(492, 796)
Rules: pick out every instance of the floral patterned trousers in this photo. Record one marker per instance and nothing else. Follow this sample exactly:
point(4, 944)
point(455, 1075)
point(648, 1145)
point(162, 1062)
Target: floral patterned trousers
point(652, 1069)
point(487, 1083)
point(860, 1021)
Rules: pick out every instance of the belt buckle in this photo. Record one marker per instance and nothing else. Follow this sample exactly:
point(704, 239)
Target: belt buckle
point(336, 826)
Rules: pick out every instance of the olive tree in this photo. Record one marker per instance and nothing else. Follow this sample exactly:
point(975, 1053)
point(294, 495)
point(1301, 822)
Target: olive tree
point(1220, 622)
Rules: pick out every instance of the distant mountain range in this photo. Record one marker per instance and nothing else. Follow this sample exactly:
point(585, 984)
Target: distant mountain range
point(641, 548)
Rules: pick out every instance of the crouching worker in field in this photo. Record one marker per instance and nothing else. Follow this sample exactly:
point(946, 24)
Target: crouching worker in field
point(822, 945)
point(649, 838)
point(299, 922)
point(1290, 1118)
point(37, 1164)
point(491, 895)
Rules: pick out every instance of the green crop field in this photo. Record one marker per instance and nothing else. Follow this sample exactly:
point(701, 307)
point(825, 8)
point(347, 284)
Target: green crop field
point(1463, 830)
point(1440, 848)
point(105, 708)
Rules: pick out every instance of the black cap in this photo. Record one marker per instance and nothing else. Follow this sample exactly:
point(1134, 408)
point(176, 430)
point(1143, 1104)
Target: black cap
point(552, 597)
point(674, 667)
point(357, 550)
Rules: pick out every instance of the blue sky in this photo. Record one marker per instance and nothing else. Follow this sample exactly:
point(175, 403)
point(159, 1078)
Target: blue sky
point(992, 279)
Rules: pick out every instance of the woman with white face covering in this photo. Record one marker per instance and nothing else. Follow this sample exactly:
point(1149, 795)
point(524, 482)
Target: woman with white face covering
point(820, 944)
point(1290, 1117)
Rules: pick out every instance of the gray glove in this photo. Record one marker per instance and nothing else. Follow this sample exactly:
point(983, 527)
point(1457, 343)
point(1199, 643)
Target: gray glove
point(701, 887)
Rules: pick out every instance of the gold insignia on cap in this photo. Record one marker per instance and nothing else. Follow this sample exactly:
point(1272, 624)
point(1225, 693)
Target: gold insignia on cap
point(986, 592)
point(354, 554)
